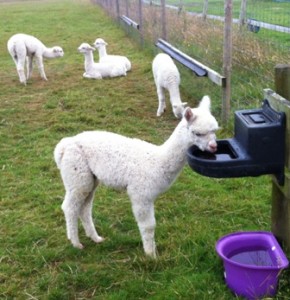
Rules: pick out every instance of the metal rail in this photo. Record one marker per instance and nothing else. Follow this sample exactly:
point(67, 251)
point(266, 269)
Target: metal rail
point(129, 22)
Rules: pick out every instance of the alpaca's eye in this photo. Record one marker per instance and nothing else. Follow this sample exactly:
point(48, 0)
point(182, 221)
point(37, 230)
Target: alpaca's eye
point(199, 134)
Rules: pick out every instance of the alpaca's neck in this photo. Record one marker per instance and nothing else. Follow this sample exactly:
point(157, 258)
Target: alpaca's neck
point(48, 53)
point(102, 51)
point(174, 150)
point(174, 94)
point(172, 84)
point(177, 144)
point(89, 60)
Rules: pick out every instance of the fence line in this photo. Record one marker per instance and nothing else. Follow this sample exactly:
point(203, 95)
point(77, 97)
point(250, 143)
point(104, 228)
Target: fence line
point(242, 20)
point(226, 44)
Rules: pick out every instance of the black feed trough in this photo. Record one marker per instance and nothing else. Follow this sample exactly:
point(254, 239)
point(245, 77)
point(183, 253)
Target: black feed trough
point(257, 148)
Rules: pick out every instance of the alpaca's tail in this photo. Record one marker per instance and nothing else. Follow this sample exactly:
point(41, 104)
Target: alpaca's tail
point(11, 46)
point(60, 149)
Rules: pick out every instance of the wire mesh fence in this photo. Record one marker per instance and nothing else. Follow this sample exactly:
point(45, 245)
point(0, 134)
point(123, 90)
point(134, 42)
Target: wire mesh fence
point(260, 39)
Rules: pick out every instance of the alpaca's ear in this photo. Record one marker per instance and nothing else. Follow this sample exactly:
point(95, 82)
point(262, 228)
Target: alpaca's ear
point(205, 103)
point(184, 104)
point(188, 115)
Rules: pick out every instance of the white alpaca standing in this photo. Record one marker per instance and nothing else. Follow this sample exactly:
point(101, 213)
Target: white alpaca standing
point(100, 44)
point(143, 169)
point(99, 70)
point(23, 46)
point(166, 77)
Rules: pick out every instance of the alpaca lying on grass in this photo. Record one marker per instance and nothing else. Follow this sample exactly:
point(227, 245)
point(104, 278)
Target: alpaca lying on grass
point(166, 77)
point(99, 70)
point(100, 44)
point(23, 46)
point(143, 169)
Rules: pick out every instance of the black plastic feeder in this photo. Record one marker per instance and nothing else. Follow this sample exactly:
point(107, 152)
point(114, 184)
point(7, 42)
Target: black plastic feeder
point(257, 148)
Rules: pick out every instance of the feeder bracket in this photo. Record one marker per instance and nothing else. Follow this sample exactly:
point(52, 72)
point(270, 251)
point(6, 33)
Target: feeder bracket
point(129, 22)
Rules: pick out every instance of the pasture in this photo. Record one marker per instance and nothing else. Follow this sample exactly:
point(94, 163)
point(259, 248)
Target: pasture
point(36, 259)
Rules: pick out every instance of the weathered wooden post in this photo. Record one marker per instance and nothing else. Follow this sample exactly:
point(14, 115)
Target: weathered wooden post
point(227, 61)
point(140, 10)
point(279, 100)
point(117, 10)
point(127, 8)
point(163, 19)
point(243, 11)
point(205, 9)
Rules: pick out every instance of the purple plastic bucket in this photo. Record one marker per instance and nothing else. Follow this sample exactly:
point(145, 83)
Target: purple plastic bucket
point(252, 262)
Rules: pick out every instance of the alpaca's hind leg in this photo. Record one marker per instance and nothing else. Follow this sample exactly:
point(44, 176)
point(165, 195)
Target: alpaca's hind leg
point(18, 55)
point(20, 63)
point(87, 219)
point(71, 207)
point(144, 215)
point(161, 101)
point(79, 184)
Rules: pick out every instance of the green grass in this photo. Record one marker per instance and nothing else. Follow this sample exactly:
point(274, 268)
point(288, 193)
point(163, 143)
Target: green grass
point(36, 260)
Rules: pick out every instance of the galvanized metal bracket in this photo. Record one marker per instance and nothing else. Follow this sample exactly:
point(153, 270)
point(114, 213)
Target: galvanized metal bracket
point(129, 22)
point(181, 58)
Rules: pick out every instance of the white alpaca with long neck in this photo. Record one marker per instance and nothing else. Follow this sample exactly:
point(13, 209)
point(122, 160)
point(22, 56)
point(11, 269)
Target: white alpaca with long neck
point(27, 47)
point(145, 170)
point(167, 77)
point(101, 45)
point(99, 70)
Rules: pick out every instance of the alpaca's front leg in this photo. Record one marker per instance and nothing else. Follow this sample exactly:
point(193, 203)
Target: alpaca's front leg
point(92, 76)
point(39, 61)
point(29, 66)
point(144, 215)
point(161, 101)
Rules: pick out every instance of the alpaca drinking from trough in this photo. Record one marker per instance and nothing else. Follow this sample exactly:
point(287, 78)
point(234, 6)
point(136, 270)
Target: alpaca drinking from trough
point(143, 169)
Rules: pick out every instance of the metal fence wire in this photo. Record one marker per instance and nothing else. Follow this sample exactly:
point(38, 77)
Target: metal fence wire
point(259, 40)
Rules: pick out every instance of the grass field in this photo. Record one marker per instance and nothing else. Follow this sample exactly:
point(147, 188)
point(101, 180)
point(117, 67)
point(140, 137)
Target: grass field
point(36, 260)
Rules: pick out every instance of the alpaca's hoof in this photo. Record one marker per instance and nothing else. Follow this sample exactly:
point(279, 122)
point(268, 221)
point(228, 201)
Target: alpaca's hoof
point(99, 239)
point(151, 254)
point(79, 246)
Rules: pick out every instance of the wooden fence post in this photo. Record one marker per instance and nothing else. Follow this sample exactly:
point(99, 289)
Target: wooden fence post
point(243, 11)
point(127, 9)
point(227, 61)
point(279, 100)
point(118, 10)
point(140, 12)
point(205, 9)
point(163, 20)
